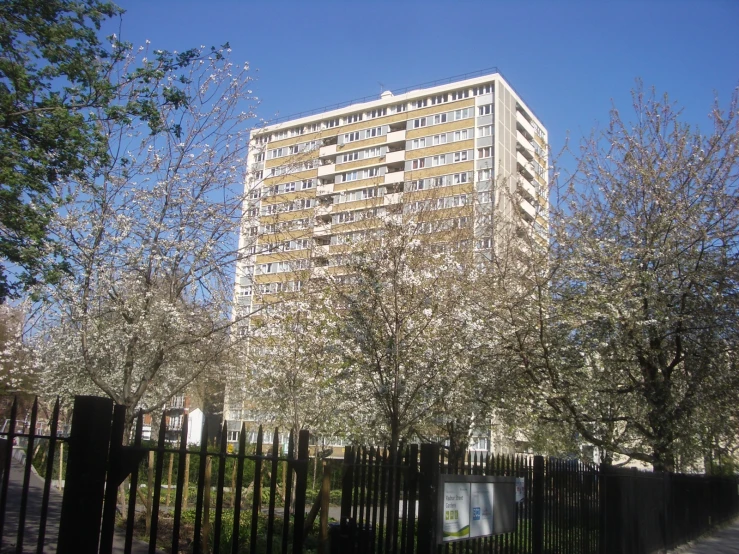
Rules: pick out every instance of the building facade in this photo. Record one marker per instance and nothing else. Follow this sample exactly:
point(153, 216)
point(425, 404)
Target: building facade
point(464, 152)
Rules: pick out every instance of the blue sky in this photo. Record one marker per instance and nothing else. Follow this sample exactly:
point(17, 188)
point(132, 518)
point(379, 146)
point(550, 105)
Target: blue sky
point(568, 60)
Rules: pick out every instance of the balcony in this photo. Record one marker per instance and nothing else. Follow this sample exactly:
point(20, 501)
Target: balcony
point(323, 210)
point(322, 230)
point(524, 166)
point(325, 189)
point(394, 177)
point(522, 146)
point(395, 157)
point(327, 169)
point(393, 198)
point(329, 150)
point(395, 136)
point(523, 125)
point(321, 251)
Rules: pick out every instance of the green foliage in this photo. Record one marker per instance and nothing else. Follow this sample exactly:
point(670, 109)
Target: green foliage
point(52, 68)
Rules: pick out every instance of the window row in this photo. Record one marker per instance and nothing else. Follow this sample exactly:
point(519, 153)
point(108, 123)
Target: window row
point(439, 118)
point(445, 202)
point(360, 174)
point(282, 267)
point(373, 152)
point(290, 225)
point(361, 194)
point(291, 150)
point(286, 246)
point(289, 168)
point(451, 96)
point(363, 134)
point(441, 181)
point(356, 215)
point(292, 186)
point(443, 159)
point(282, 207)
point(439, 226)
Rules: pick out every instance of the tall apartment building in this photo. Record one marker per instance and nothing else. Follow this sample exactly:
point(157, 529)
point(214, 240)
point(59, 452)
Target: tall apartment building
point(315, 181)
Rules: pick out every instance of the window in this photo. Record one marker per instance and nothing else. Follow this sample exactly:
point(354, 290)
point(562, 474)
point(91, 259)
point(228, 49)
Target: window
point(307, 184)
point(262, 139)
point(354, 118)
point(398, 108)
point(486, 152)
point(371, 172)
point(439, 139)
point(331, 123)
point(253, 212)
point(438, 99)
point(482, 89)
point(314, 127)
point(464, 113)
point(259, 157)
point(438, 160)
point(460, 94)
point(296, 131)
point(484, 174)
point(461, 135)
point(374, 132)
point(419, 163)
point(351, 137)
point(485, 131)
point(350, 176)
point(295, 149)
point(373, 152)
point(289, 187)
point(460, 178)
point(460, 156)
point(279, 135)
point(485, 110)
point(377, 112)
point(350, 157)
point(255, 193)
point(420, 122)
point(259, 174)
point(418, 143)
point(439, 118)
point(420, 103)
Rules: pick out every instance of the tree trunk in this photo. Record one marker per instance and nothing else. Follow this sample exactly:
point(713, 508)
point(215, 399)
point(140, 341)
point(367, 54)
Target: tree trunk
point(169, 477)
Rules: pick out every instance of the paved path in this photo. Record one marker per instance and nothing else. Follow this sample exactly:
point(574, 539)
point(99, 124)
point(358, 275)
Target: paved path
point(723, 541)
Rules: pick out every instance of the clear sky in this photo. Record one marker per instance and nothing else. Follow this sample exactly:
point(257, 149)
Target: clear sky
point(568, 60)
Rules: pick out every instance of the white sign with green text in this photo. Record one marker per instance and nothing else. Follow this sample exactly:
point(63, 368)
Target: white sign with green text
point(456, 511)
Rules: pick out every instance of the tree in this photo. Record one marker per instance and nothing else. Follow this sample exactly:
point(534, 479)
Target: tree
point(399, 328)
point(145, 308)
point(53, 71)
point(294, 364)
point(633, 334)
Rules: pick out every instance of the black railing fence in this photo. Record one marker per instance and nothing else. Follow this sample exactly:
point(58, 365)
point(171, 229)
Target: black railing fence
point(120, 497)
point(167, 496)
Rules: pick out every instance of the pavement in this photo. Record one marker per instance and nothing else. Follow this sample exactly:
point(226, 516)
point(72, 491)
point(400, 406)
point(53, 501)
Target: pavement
point(725, 540)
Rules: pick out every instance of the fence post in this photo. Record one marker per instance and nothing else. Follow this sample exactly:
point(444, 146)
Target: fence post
point(301, 483)
point(537, 509)
point(428, 482)
point(82, 503)
point(347, 483)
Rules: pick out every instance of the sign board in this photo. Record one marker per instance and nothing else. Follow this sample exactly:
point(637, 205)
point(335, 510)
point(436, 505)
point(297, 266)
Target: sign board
point(472, 506)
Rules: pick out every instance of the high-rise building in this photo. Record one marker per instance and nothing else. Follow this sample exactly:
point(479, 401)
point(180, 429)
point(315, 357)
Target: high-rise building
point(466, 151)
point(314, 179)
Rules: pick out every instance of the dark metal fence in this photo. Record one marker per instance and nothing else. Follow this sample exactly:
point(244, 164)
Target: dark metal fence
point(251, 513)
point(168, 497)
point(644, 512)
point(564, 505)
